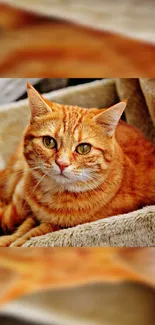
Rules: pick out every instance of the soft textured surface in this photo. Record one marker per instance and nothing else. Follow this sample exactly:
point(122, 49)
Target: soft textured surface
point(134, 229)
point(140, 110)
point(80, 286)
point(125, 17)
point(11, 89)
point(103, 304)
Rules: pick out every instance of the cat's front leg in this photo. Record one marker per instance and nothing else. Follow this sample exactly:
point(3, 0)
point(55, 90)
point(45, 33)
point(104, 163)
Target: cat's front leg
point(8, 218)
point(14, 213)
point(25, 227)
point(42, 229)
point(11, 216)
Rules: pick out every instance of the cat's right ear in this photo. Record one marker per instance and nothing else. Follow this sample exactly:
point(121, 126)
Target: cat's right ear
point(38, 105)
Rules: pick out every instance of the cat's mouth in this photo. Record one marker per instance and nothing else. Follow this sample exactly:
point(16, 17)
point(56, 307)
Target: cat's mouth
point(62, 175)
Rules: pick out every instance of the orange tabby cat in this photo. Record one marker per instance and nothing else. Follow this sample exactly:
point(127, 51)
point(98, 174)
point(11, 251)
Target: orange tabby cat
point(71, 168)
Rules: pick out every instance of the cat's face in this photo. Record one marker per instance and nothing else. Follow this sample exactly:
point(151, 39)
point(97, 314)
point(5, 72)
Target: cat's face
point(68, 144)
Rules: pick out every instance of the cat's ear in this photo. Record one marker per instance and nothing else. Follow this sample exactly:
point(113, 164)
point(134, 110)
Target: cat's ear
point(109, 117)
point(37, 103)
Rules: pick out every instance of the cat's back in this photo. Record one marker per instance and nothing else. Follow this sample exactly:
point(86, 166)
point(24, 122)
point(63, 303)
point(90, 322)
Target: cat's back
point(134, 145)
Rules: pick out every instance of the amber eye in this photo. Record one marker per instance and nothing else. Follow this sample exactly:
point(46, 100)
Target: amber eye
point(83, 148)
point(49, 142)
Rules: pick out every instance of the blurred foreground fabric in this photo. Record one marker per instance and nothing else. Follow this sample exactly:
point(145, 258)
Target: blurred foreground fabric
point(81, 286)
point(132, 18)
point(77, 39)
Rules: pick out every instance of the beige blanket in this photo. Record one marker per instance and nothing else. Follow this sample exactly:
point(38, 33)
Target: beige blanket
point(99, 304)
point(133, 229)
point(132, 18)
point(89, 286)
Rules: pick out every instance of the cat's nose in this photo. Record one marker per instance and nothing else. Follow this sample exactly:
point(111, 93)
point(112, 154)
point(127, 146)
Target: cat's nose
point(62, 165)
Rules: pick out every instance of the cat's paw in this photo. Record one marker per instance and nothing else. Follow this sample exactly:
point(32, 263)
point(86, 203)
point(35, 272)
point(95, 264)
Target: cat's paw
point(5, 241)
point(18, 242)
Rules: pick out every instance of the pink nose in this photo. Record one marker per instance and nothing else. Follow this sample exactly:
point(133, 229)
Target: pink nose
point(62, 165)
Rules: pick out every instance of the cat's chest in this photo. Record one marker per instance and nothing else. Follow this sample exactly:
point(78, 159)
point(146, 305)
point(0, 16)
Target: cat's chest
point(62, 200)
point(64, 209)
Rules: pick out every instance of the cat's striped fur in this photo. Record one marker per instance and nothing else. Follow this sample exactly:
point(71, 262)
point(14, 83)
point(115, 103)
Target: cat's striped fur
point(42, 189)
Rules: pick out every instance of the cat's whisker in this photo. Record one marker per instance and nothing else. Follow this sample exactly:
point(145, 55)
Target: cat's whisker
point(33, 191)
point(12, 176)
point(13, 167)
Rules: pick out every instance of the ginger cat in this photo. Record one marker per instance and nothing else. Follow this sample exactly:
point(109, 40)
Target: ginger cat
point(74, 165)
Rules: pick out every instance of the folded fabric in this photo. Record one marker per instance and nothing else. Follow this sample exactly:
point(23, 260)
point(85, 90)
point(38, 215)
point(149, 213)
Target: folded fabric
point(135, 229)
point(11, 89)
point(131, 18)
point(110, 286)
point(100, 304)
point(132, 229)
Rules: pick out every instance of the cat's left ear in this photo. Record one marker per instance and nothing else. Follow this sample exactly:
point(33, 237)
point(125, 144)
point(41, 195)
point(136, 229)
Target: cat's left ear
point(109, 117)
point(37, 103)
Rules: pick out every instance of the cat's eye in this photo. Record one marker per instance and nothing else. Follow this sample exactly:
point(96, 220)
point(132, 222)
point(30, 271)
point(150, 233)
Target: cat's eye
point(83, 148)
point(49, 142)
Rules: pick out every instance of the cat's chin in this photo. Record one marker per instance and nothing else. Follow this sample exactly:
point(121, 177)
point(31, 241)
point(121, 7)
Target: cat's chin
point(62, 179)
point(63, 183)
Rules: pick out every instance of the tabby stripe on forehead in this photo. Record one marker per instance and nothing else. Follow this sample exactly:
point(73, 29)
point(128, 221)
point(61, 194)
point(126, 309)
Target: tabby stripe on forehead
point(77, 123)
point(80, 135)
point(64, 117)
point(56, 131)
point(83, 113)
